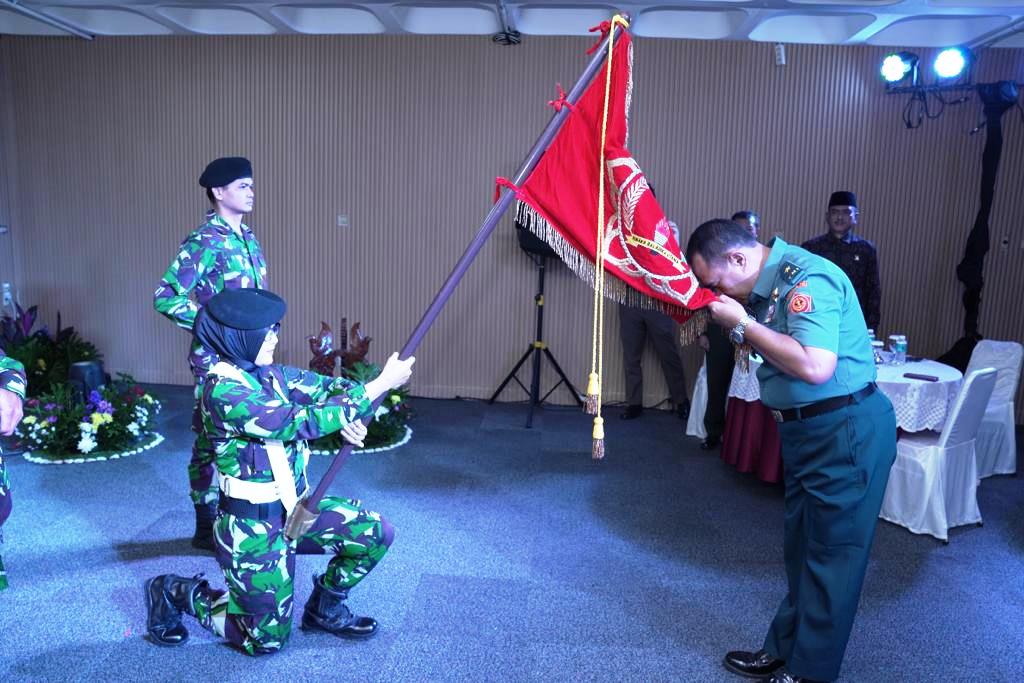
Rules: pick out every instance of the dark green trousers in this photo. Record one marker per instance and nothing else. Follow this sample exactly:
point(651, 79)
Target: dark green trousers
point(836, 467)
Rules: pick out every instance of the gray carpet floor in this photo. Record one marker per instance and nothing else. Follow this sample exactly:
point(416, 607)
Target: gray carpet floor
point(517, 558)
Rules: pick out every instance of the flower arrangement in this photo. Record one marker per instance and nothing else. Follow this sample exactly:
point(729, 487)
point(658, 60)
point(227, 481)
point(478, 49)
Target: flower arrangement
point(47, 357)
point(388, 428)
point(62, 425)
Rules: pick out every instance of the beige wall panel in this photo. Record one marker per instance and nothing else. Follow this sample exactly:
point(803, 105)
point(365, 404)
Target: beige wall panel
point(102, 142)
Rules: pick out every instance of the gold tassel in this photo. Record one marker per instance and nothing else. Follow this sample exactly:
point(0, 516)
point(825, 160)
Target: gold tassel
point(597, 450)
point(694, 327)
point(593, 389)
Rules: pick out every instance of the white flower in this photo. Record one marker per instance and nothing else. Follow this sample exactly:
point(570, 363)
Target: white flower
point(382, 410)
point(133, 428)
point(86, 443)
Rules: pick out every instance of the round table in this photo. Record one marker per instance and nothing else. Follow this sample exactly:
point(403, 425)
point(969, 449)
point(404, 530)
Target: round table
point(750, 442)
point(920, 404)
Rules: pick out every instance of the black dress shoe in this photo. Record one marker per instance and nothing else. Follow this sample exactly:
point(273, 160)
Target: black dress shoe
point(710, 443)
point(758, 664)
point(683, 410)
point(632, 412)
point(783, 675)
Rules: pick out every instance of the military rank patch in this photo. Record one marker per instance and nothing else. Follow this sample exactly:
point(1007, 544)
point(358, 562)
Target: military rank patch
point(800, 303)
point(790, 272)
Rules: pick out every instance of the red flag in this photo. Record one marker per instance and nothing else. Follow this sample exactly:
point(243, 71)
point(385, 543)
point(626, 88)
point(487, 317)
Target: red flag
point(559, 202)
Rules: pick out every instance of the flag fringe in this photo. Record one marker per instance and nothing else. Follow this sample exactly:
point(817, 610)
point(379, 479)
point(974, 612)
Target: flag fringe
point(614, 288)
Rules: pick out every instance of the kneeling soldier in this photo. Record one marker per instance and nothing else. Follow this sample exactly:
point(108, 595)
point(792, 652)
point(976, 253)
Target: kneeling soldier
point(258, 417)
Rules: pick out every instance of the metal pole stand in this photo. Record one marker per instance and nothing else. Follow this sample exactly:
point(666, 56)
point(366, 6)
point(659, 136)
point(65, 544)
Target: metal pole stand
point(535, 349)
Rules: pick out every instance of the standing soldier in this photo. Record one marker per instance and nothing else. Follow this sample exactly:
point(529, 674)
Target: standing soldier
point(856, 256)
point(838, 434)
point(12, 393)
point(258, 416)
point(220, 254)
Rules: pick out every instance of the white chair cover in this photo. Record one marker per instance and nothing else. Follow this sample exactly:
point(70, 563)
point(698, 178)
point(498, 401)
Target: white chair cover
point(996, 444)
point(933, 483)
point(698, 405)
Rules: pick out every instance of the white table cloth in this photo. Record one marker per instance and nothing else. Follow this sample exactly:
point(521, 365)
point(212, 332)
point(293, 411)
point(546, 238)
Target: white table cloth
point(920, 404)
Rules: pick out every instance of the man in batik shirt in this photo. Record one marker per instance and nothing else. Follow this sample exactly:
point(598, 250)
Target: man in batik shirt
point(258, 416)
point(220, 254)
point(12, 393)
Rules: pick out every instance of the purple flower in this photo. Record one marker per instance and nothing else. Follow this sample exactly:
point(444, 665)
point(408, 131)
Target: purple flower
point(50, 406)
point(104, 407)
point(95, 397)
point(51, 419)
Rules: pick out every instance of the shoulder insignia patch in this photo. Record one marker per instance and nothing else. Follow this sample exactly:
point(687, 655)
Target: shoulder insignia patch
point(790, 272)
point(800, 303)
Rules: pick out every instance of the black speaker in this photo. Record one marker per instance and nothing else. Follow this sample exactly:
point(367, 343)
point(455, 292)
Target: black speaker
point(532, 244)
point(86, 376)
point(998, 93)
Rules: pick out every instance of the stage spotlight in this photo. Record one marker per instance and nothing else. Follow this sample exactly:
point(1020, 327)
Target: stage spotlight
point(952, 62)
point(898, 66)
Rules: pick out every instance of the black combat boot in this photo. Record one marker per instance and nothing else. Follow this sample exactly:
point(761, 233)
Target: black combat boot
point(167, 597)
point(326, 611)
point(205, 516)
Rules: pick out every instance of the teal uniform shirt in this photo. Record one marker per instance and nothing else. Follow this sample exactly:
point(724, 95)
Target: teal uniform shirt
point(810, 299)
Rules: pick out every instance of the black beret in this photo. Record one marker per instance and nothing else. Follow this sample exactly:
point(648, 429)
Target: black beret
point(246, 309)
point(843, 198)
point(224, 171)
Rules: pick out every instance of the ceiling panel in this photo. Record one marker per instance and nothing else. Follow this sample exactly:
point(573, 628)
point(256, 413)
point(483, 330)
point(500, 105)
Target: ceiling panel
point(811, 28)
point(911, 23)
point(439, 19)
point(329, 20)
point(109, 22)
point(18, 25)
point(216, 20)
point(701, 24)
point(560, 21)
point(936, 31)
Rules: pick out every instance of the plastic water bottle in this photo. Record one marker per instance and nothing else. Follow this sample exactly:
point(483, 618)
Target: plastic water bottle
point(893, 338)
point(876, 350)
point(900, 352)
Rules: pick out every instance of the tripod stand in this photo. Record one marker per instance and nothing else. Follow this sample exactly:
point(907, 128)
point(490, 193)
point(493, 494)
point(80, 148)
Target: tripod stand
point(535, 349)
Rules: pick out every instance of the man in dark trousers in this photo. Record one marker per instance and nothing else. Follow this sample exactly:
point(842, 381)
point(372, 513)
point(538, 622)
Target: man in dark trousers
point(636, 325)
point(856, 256)
point(837, 431)
point(719, 359)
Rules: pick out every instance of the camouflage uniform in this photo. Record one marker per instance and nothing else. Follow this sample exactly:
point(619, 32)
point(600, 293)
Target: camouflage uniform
point(213, 258)
point(12, 378)
point(289, 405)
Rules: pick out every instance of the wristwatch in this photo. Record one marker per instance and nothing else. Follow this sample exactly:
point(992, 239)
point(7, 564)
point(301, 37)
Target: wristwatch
point(737, 333)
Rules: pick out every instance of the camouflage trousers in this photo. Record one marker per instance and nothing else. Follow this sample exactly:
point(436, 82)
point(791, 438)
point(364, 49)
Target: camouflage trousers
point(202, 472)
point(5, 511)
point(255, 612)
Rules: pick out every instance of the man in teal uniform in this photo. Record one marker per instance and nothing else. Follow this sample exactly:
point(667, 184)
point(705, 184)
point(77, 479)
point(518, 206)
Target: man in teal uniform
point(838, 434)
